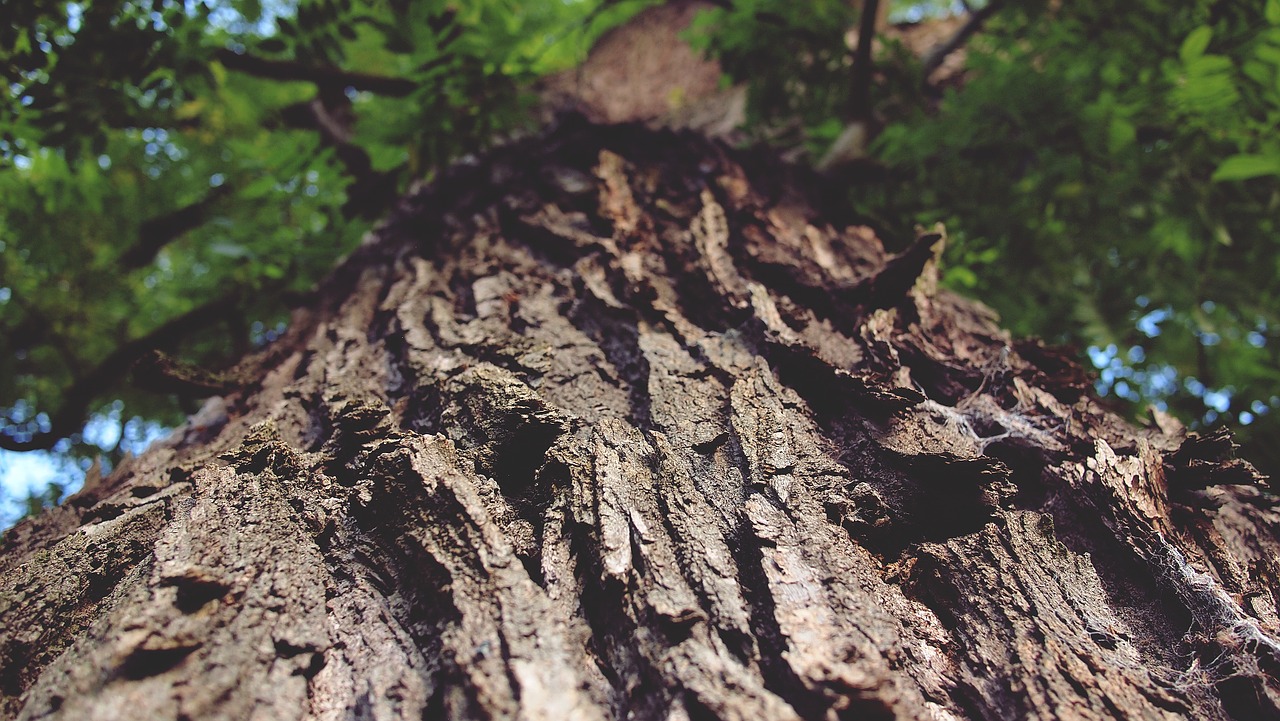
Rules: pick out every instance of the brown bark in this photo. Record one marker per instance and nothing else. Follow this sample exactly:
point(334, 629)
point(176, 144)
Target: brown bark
point(644, 70)
point(614, 425)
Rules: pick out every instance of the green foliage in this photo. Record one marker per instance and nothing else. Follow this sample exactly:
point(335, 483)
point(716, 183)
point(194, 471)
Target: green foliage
point(164, 161)
point(793, 56)
point(1132, 169)
point(1109, 174)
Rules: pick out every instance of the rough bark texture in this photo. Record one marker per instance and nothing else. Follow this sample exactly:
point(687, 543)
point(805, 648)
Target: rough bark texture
point(614, 424)
point(645, 71)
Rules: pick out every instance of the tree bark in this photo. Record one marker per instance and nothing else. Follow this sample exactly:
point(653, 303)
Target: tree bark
point(620, 424)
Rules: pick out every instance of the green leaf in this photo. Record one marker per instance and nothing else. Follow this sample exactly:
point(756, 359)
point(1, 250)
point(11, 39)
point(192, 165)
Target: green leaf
point(1258, 72)
point(259, 187)
point(1196, 43)
point(1120, 134)
point(961, 277)
point(1243, 167)
point(1268, 53)
point(1273, 12)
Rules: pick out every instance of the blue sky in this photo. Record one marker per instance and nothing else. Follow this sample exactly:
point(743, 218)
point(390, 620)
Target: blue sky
point(22, 474)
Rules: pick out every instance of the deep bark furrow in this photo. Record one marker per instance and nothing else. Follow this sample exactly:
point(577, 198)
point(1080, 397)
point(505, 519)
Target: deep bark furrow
point(1136, 508)
point(612, 424)
point(1049, 612)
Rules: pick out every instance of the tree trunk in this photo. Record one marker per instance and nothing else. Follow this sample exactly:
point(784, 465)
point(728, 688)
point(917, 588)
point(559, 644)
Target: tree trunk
point(616, 424)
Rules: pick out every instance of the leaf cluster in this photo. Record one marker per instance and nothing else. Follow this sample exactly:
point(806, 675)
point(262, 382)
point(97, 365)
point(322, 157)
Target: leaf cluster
point(175, 174)
point(1109, 172)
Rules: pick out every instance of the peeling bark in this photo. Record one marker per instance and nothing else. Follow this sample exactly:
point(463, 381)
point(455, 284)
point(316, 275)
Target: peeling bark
point(614, 424)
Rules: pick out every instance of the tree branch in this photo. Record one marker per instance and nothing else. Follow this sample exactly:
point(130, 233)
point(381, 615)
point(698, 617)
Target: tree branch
point(161, 230)
point(324, 76)
point(861, 85)
point(934, 58)
point(75, 403)
point(370, 191)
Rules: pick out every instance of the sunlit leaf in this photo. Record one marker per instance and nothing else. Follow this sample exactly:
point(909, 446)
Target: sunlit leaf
point(260, 187)
point(1244, 167)
point(1120, 134)
point(1195, 44)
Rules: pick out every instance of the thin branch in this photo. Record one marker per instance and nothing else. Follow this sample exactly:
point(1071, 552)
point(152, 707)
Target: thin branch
point(934, 58)
point(861, 84)
point(75, 403)
point(323, 76)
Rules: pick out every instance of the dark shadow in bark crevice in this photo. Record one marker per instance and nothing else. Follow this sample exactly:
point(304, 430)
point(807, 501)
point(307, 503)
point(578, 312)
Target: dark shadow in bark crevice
point(146, 662)
point(618, 338)
point(418, 401)
point(832, 395)
point(778, 675)
point(545, 246)
point(518, 470)
point(423, 410)
point(739, 643)
point(637, 686)
point(1157, 621)
point(945, 496)
point(417, 587)
point(946, 383)
point(195, 591)
point(929, 585)
point(1244, 695)
point(822, 300)
point(17, 656)
point(699, 303)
